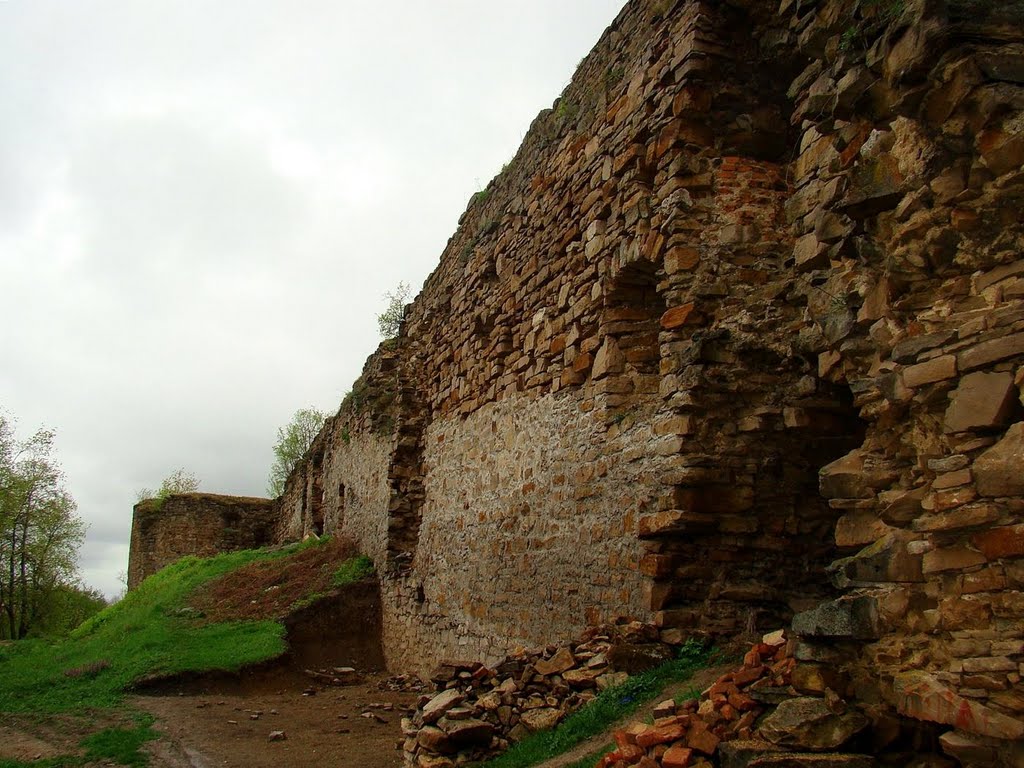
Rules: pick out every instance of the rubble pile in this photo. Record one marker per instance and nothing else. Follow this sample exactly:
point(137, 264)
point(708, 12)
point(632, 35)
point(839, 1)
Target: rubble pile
point(478, 711)
point(728, 725)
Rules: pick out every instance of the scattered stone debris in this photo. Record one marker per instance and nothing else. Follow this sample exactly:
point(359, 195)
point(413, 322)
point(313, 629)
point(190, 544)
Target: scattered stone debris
point(277, 736)
point(478, 712)
point(403, 684)
point(337, 676)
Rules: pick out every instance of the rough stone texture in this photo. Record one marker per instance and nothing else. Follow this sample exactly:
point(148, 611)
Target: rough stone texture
point(202, 524)
point(749, 240)
point(999, 471)
point(982, 401)
point(808, 723)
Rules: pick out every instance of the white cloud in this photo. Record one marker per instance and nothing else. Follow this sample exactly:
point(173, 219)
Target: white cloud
point(202, 205)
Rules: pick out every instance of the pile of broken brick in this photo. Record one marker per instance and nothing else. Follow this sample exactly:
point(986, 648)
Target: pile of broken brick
point(725, 725)
point(479, 711)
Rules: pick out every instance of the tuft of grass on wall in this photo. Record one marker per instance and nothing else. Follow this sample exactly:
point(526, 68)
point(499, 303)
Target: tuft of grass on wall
point(352, 570)
point(149, 632)
point(607, 708)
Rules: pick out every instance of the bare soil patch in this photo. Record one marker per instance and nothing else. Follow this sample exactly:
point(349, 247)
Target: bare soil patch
point(40, 737)
point(270, 589)
point(204, 730)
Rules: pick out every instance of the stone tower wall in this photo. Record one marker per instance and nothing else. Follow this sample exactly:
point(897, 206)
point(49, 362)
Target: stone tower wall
point(201, 524)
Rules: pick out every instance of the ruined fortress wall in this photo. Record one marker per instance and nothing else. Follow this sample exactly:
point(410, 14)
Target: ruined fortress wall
point(201, 524)
point(543, 396)
point(527, 533)
point(734, 340)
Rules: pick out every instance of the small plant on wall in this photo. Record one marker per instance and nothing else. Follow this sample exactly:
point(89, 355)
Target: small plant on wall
point(390, 320)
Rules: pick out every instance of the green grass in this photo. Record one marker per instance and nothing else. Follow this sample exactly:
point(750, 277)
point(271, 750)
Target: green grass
point(607, 708)
point(352, 570)
point(146, 633)
point(349, 572)
point(121, 746)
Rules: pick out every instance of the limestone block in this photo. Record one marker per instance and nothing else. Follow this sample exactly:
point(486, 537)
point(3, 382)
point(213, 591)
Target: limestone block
point(921, 696)
point(844, 478)
point(848, 616)
point(851, 477)
point(953, 479)
point(739, 753)
point(908, 349)
point(813, 760)
point(860, 527)
point(967, 516)
point(991, 351)
point(966, 750)
point(930, 371)
point(1005, 63)
point(561, 661)
point(436, 707)
point(886, 560)
point(955, 558)
point(681, 259)
point(468, 731)
point(1002, 150)
point(999, 471)
point(901, 507)
point(981, 401)
point(433, 738)
point(808, 723)
point(541, 719)
point(815, 679)
point(810, 253)
point(609, 359)
point(877, 186)
point(1005, 541)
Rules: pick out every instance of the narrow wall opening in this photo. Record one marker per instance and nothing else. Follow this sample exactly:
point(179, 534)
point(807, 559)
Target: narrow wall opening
point(315, 495)
point(626, 368)
point(747, 536)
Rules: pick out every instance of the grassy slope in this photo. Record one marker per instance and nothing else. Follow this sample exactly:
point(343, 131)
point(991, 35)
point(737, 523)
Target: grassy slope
point(146, 633)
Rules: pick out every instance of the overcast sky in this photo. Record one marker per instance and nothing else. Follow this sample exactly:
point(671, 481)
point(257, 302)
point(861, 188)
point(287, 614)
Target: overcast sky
point(203, 202)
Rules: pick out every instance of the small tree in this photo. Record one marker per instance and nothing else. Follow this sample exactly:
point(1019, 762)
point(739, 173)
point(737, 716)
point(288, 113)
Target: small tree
point(292, 443)
point(40, 533)
point(179, 481)
point(390, 320)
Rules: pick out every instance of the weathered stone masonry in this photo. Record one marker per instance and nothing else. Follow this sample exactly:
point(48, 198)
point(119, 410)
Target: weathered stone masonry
point(752, 244)
point(201, 524)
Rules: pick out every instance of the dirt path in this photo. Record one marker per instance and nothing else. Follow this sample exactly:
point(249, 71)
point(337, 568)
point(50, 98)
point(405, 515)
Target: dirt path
point(224, 725)
point(229, 730)
point(700, 681)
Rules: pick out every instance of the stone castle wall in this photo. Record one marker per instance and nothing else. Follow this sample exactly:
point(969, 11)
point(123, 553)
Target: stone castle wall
point(201, 524)
point(734, 341)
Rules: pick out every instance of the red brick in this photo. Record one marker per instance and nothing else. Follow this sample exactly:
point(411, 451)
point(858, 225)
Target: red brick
point(677, 757)
point(748, 675)
point(662, 734)
point(702, 740)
